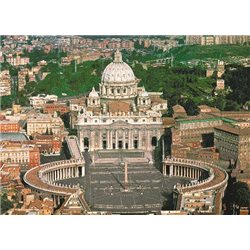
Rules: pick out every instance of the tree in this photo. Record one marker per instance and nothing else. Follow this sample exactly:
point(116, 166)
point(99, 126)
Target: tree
point(241, 194)
point(190, 106)
point(5, 204)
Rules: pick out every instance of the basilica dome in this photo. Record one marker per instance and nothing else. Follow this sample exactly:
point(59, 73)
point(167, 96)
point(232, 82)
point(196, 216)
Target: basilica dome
point(118, 71)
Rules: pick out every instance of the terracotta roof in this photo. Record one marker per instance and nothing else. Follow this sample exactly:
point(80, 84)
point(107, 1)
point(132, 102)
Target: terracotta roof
point(178, 109)
point(19, 212)
point(234, 130)
point(119, 106)
point(168, 121)
point(36, 204)
point(219, 176)
point(96, 110)
point(156, 99)
point(32, 177)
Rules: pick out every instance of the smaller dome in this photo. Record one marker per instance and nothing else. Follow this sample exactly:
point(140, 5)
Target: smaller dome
point(143, 93)
point(93, 93)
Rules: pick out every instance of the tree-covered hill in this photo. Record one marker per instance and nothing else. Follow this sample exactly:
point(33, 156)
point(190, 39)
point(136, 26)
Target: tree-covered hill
point(192, 52)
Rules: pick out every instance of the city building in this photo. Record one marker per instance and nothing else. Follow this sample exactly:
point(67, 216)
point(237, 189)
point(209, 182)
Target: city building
point(9, 126)
point(39, 100)
point(193, 39)
point(220, 84)
point(121, 115)
point(233, 143)
point(48, 144)
point(45, 124)
point(51, 108)
point(9, 172)
point(17, 61)
point(219, 69)
point(207, 40)
point(5, 83)
point(196, 131)
point(25, 154)
point(217, 39)
point(1, 57)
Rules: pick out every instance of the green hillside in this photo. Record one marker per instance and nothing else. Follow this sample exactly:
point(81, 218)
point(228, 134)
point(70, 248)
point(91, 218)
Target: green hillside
point(191, 52)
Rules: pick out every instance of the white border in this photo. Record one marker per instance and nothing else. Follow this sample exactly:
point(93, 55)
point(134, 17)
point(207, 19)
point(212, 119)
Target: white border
point(123, 17)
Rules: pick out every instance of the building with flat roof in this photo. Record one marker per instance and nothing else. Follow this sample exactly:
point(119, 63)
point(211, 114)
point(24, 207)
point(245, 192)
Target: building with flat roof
point(233, 143)
point(27, 155)
point(45, 123)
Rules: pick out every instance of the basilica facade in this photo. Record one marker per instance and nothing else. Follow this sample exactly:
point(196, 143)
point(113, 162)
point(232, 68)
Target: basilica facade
point(120, 115)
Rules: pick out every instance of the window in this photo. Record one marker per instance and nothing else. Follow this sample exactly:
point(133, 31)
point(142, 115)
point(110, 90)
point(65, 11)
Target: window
point(154, 119)
point(85, 120)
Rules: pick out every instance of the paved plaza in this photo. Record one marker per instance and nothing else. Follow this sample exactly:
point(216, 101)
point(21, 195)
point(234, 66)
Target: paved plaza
point(106, 190)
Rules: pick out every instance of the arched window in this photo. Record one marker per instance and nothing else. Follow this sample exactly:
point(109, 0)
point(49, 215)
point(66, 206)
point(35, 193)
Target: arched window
point(154, 141)
point(86, 141)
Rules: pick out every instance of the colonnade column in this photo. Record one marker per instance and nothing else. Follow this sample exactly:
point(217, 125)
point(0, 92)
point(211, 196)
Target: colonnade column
point(171, 170)
point(164, 171)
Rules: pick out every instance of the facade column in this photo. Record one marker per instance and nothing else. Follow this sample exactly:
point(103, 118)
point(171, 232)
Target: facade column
point(116, 139)
point(123, 143)
point(131, 143)
point(108, 139)
point(100, 139)
point(139, 139)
